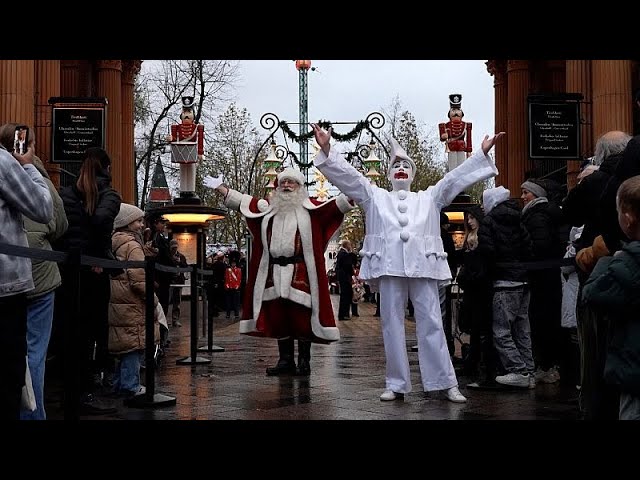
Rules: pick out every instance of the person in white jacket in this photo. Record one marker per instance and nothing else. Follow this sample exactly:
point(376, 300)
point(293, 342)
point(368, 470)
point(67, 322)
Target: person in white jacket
point(403, 255)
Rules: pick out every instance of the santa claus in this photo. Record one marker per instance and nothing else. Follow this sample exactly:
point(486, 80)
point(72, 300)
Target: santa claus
point(287, 294)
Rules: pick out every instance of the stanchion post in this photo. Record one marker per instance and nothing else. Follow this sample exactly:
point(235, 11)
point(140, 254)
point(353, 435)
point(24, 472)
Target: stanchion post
point(73, 376)
point(150, 398)
point(193, 359)
point(149, 328)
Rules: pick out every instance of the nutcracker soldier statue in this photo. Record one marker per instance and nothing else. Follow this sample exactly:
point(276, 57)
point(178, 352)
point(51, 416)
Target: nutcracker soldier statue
point(187, 146)
point(456, 133)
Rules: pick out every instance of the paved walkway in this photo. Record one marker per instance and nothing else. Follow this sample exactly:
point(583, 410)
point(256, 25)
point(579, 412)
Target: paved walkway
point(346, 381)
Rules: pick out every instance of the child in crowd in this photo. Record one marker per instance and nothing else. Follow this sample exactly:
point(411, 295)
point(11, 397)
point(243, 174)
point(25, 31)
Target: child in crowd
point(613, 288)
point(127, 303)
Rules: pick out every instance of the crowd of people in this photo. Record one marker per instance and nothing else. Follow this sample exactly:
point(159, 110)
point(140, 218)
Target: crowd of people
point(549, 280)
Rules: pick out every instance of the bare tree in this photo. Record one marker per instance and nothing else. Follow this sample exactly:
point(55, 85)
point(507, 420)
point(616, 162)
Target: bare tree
point(233, 147)
point(159, 90)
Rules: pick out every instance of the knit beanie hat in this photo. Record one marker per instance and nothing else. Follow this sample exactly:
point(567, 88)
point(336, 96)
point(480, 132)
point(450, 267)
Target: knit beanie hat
point(494, 196)
point(535, 188)
point(127, 214)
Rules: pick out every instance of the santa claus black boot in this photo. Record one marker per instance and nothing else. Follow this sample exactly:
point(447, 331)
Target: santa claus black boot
point(304, 357)
point(286, 364)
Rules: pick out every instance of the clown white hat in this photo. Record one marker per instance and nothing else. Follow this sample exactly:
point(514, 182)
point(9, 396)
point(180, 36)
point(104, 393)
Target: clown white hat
point(292, 174)
point(398, 152)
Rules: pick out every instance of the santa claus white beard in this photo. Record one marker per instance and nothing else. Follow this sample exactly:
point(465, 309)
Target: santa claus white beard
point(288, 201)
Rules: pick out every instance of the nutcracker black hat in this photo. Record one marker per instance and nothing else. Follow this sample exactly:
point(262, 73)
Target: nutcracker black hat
point(455, 100)
point(187, 102)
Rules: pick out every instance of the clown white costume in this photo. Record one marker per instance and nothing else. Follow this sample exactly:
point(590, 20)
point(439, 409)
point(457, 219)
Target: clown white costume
point(403, 256)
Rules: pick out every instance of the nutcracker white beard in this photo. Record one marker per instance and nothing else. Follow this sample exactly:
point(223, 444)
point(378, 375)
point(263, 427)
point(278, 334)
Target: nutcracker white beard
point(283, 201)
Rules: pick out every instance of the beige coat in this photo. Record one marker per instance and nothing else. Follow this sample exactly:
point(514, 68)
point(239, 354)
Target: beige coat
point(127, 303)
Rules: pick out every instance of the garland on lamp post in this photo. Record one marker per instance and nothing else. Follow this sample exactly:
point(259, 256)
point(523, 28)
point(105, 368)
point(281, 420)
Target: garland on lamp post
point(270, 121)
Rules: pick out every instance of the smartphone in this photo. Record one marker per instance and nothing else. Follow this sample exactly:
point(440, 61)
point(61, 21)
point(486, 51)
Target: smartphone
point(21, 139)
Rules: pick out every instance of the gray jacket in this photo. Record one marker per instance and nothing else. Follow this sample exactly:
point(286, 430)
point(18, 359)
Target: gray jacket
point(23, 191)
point(46, 276)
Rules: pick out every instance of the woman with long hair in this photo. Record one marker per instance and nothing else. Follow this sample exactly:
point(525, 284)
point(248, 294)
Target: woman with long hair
point(476, 303)
point(91, 205)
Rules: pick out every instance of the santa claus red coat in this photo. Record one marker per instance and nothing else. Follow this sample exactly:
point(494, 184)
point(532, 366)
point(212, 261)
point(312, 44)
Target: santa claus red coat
point(290, 299)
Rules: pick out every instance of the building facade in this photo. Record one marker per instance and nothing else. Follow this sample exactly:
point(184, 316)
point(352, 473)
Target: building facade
point(27, 85)
point(607, 88)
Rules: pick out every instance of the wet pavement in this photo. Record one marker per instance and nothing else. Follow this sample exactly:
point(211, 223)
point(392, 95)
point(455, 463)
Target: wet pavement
point(345, 382)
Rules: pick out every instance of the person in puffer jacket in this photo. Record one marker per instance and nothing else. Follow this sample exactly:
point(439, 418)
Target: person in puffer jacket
point(504, 243)
point(127, 303)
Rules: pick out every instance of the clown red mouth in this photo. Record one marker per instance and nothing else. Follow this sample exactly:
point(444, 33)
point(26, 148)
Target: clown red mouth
point(401, 175)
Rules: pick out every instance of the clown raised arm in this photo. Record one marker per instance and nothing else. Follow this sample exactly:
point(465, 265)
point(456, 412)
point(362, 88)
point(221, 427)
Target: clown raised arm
point(403, 255)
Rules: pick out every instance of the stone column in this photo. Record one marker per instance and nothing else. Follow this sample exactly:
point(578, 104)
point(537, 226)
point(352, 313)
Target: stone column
point(17, 84)
point(47, 86)
point(498, 68)
point(69, 78)
point(109, 85)
point(127, 174)
point(579, 81)
point(612, 102)
point(557, 76)
point(517, 134)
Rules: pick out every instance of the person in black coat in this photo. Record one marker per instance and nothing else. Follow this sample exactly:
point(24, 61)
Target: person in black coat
point(583, 207)
point(582, 204)
point(344, 270)
point(475, 315)
point(629, 166)
point(504, 244)
point(542, 220)
point(91, 206)
point(160, 243)
point(444, 289)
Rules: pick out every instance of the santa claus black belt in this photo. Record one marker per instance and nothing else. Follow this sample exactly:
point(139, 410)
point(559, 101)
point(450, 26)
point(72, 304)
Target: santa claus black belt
point(282, 261)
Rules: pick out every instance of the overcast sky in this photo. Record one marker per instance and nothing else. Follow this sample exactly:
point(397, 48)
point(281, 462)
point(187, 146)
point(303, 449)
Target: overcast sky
point(348, 90)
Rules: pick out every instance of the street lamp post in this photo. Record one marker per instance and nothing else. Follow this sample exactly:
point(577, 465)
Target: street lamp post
point(303, 67)
point(188, 216)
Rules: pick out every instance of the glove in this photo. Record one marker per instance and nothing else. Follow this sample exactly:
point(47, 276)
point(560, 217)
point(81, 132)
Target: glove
point(212, 182)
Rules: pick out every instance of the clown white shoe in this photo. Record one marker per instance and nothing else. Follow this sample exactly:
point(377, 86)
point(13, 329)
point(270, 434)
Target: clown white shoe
point(454, 395)
point(390, 395)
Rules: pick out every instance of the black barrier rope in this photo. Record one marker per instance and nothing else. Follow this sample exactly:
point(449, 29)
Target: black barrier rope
point(73, 261)
point(59, 257)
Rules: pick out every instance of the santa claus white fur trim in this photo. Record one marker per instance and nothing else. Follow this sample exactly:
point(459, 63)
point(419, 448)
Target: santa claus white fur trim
point(260, 294)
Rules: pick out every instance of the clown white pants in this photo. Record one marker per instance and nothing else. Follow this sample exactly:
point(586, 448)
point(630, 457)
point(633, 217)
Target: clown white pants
point(436, 369)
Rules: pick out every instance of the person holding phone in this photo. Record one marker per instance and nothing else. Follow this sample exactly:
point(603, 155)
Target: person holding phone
point(46, 278)
point(23, 191)
point(21, 139)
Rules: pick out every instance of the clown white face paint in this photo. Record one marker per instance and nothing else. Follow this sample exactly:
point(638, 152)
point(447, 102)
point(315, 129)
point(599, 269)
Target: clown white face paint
point(400, 174)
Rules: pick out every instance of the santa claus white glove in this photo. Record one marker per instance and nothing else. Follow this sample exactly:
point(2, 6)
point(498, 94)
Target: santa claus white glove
point(212, 182)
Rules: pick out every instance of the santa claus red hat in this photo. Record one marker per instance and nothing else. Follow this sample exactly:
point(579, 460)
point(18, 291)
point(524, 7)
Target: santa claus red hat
point(291, 174)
